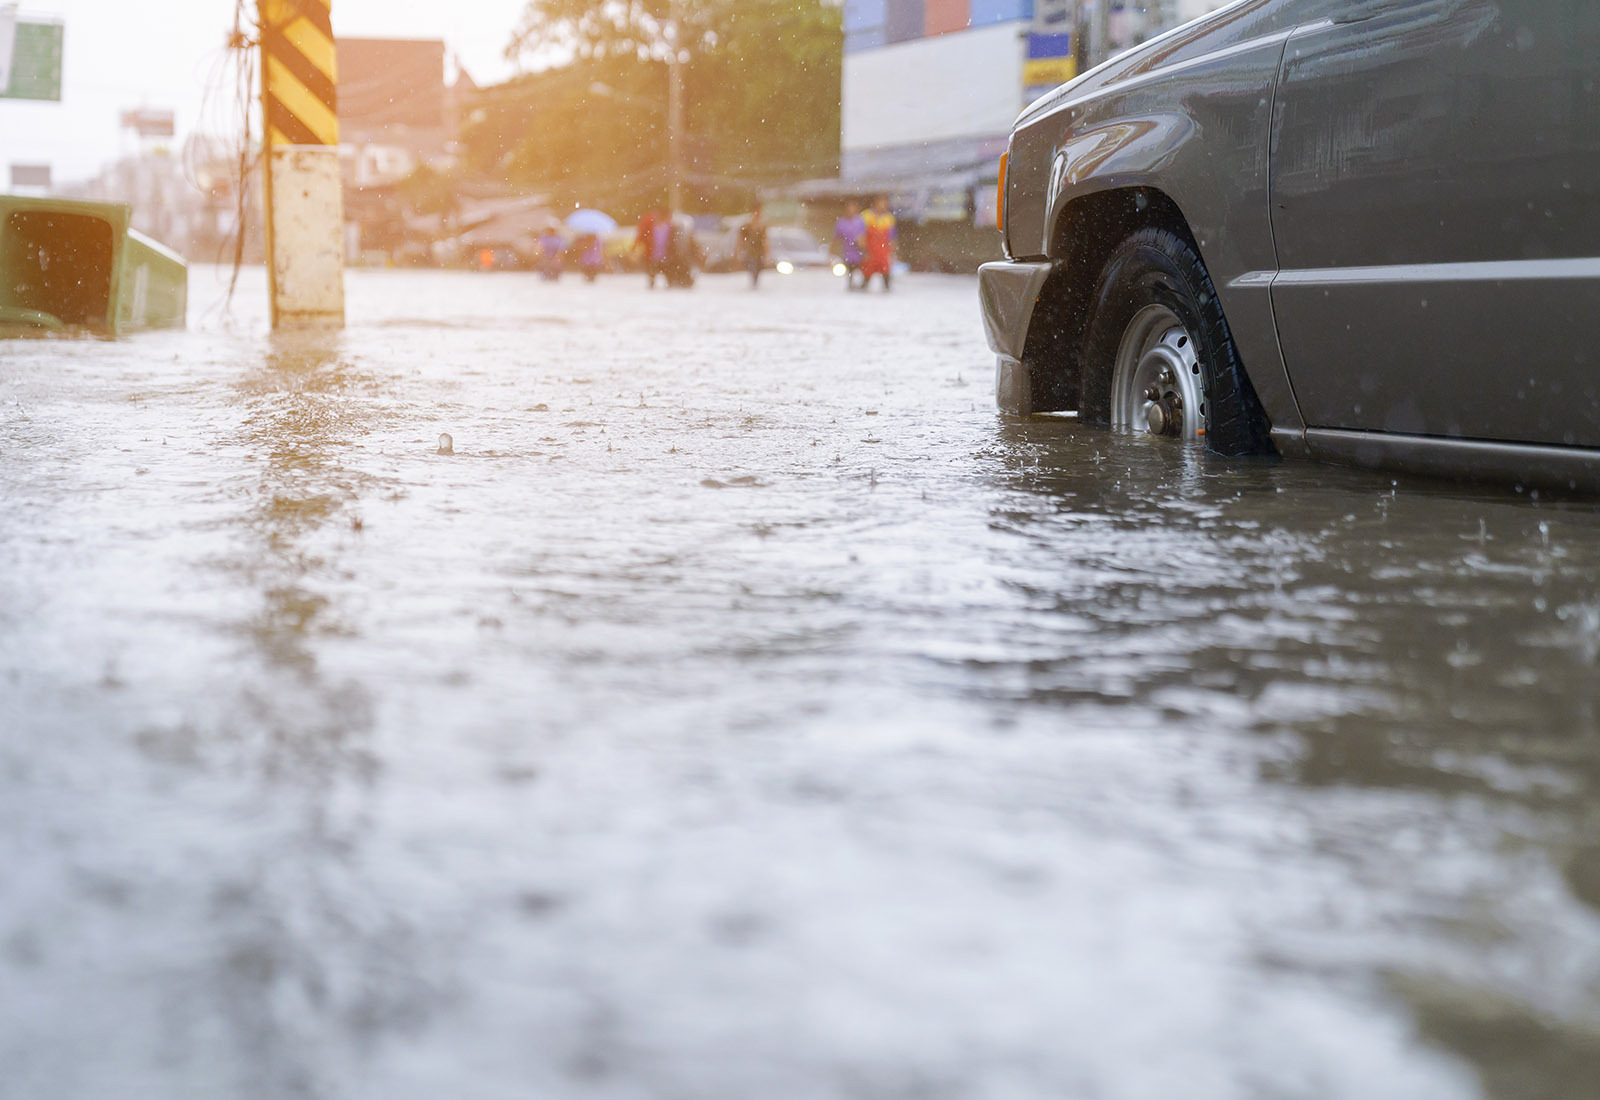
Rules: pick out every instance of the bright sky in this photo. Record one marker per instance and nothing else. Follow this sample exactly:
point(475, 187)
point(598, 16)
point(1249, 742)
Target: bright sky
point(161, 53)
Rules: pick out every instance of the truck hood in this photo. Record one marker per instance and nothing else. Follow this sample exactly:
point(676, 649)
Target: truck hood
point(1216, 30)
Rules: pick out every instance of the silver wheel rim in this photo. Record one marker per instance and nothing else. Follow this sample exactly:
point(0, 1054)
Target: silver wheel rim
point(1158, 385)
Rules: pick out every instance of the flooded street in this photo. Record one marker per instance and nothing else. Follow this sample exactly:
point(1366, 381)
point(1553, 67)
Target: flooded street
point(743, 709)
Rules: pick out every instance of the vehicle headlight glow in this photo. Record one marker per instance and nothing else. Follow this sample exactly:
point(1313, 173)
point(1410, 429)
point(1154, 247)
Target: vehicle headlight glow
point(839, 270)
point(785, 267)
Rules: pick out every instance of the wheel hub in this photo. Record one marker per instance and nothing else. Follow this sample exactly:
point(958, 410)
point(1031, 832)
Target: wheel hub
point(1164, 415)
point(1158, 385)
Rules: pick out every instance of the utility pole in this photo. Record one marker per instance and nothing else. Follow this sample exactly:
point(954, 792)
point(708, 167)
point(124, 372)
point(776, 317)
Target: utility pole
point(674, 110)
point(1102, 30)
point(1080, 52)
point(300, 152)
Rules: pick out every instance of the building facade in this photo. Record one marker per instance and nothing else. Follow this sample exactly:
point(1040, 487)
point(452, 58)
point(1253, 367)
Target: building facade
point(929, 86)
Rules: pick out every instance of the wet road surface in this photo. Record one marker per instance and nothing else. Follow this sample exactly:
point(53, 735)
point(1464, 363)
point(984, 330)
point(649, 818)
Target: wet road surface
point(743, 709)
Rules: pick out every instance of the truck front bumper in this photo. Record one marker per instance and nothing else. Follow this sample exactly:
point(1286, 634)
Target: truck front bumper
point(1009, 290)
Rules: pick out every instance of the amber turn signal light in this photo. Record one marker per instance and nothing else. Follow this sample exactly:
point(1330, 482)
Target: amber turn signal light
point(1000, 195)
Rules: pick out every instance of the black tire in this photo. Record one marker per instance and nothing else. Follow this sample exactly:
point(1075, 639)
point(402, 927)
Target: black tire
point(1158, 267)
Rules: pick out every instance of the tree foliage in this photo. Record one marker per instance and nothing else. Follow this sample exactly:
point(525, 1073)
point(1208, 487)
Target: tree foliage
point(588, 29)
point(761, 100)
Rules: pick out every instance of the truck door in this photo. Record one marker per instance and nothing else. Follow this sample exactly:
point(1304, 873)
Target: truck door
point(1436, 209)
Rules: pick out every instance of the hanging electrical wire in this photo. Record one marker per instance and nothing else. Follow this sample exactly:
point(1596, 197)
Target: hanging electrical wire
point(243, 48)
point(227, 126)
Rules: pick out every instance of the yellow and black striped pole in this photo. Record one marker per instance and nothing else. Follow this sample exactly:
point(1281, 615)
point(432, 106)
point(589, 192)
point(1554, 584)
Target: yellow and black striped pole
point(299, 110)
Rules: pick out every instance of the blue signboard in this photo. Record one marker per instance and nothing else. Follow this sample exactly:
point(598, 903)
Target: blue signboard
point(987, 12)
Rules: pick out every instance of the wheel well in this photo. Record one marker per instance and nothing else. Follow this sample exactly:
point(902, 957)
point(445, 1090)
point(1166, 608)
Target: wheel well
point(1086, 231)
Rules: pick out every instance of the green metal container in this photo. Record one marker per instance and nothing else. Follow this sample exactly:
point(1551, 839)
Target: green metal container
point(66, 264)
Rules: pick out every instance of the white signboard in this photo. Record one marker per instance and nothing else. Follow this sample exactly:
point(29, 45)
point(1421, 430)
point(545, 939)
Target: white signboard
point(30, 175)
point(965, 84)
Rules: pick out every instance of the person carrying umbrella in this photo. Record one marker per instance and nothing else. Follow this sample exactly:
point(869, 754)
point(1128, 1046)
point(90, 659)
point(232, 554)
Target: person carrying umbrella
point(591, 256)
point(591, 227)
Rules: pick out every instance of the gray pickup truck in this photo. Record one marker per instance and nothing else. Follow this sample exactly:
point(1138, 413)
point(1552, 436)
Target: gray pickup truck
point(1366, 231)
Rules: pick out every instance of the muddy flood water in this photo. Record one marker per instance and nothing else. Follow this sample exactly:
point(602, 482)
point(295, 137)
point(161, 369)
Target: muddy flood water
point(742, 709)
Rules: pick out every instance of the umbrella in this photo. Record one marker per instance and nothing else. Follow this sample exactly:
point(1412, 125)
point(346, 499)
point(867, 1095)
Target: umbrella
point(591, 221)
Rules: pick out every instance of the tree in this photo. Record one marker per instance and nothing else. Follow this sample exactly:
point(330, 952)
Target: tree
point(770, 89)
point(761, 100)
point(588, 29)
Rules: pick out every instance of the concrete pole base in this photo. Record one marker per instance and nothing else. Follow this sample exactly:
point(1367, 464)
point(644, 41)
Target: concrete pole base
point(306, 251)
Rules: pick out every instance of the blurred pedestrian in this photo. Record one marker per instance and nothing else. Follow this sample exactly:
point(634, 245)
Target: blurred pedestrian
point(649, 244)
point(660, 247)
point(877, 243)
point(552, 249)
point(682, 254)
point(753, 245)
point(591, 255)
point(846, 244)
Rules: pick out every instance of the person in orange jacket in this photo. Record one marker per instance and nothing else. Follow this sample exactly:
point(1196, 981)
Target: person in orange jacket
point(877, 243)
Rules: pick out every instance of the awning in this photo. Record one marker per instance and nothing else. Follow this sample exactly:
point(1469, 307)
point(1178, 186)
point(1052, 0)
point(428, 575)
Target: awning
point(943, 196)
